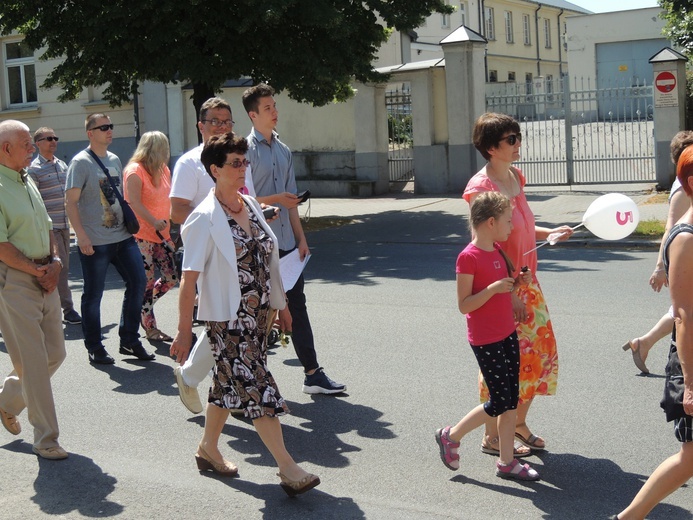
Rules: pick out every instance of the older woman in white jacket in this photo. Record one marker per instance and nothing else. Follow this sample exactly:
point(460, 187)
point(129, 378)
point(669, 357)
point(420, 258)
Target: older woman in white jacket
point(231, 254)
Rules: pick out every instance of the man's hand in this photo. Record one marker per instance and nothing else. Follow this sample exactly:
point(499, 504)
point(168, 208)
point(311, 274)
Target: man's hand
point(49, 279)
point(288, 200)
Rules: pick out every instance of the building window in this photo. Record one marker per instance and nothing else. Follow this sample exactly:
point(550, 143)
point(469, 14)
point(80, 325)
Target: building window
point(493, 76)
point(528, 83)
point(463, 12)
point(549, 88)
point(511, 76)
point(490, 26)
point(20, 73)
point(527, 29)
point(509, 27)
point(547, 33)
point(445, 19)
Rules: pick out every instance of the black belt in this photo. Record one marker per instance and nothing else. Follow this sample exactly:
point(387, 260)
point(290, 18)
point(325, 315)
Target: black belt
point(284, 252)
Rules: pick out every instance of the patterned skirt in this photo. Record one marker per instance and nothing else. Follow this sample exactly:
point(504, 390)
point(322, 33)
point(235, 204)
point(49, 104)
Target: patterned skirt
point(538, 354)
point(240, 377)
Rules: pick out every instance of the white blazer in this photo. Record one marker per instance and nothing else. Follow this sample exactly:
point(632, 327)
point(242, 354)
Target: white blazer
point(209, 249)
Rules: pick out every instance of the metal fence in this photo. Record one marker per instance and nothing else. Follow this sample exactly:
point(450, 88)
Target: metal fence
point(586, 135)
point(400, 135)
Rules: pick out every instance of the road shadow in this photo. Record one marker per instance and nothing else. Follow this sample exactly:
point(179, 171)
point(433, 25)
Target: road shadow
point(313, 504)
point(158, 378)
point(318, 440)
point(417, 245)
point(574, 487)
point(74, 485)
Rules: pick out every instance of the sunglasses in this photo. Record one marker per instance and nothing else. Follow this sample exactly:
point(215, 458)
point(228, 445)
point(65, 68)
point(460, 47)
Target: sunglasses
point(103, 128)
point(512, 138)
point(237, 163)
point(50, 138)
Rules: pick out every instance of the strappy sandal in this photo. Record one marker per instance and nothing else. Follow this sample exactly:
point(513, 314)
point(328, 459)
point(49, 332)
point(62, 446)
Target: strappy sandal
point(532, 441)
point(519, 449)
point(516, 471)
point(448, 449)
point(637, 359)
point(155, 334)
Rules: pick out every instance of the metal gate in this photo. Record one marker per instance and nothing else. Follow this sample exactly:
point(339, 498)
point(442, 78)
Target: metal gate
point(610, 130)
point(400, 136)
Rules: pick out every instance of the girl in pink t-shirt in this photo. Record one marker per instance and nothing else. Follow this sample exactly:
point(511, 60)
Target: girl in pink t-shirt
point(484, 286)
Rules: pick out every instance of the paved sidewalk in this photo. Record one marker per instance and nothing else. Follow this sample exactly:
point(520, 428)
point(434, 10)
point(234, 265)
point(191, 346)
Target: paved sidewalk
point(551, 206)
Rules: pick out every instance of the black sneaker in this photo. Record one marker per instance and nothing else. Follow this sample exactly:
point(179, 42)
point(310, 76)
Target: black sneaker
point(319, 383)
point(137, 350)
point(72, 317)
point(100, 357)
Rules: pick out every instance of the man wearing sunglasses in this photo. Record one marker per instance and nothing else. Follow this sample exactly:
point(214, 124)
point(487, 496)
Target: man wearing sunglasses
point(49, 173)
point(97, 218)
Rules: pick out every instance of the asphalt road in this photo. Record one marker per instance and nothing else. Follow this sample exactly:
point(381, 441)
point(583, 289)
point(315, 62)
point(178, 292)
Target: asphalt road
point(381, 296)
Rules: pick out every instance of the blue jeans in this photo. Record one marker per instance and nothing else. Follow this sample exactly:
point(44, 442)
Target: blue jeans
point(126, 258)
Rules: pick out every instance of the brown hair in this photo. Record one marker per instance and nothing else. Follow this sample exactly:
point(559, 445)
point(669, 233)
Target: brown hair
point(490, 204)
point(211, 103)
point(89, 122)
point(679, 144)
point(251, 97)
point(218, 147)
point(489, 129)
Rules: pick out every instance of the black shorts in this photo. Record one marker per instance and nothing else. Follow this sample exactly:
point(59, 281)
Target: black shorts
point(683, 429)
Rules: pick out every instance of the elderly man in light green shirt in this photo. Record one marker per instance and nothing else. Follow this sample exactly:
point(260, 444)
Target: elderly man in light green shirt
point(30, 313)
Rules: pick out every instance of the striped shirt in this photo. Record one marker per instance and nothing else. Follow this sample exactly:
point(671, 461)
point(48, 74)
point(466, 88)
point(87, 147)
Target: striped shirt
point(49, 177)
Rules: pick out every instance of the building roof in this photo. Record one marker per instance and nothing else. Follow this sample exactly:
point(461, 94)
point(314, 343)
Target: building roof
point(561, 4)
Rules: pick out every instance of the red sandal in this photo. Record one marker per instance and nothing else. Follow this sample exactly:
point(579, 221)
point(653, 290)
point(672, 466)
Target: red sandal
point(448, 449)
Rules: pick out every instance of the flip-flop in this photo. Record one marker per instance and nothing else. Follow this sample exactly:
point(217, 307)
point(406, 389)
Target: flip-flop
point(636, 356)
point(530, 442)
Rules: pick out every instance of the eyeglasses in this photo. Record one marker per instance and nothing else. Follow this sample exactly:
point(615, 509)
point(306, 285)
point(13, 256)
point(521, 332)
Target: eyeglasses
point(237, 163)
point(103, 128)
point(50, 138)
point(512, 138)
point(218, 122)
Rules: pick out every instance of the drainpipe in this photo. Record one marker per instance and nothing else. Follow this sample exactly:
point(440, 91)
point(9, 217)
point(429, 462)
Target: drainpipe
point(536, 24)
point(560, 46)
point(482, 31)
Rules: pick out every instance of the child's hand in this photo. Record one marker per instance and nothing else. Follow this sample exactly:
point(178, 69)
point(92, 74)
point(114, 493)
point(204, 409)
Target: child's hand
point(525, 276)
point(504, 285)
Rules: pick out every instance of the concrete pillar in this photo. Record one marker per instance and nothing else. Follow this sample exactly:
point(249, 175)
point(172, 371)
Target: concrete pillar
point(466, 100)
point(430, 151)
point(371, 139)
point(176, 115)
point(669, 108)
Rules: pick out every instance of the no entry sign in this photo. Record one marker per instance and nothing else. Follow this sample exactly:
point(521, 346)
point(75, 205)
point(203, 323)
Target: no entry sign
point(665, 91)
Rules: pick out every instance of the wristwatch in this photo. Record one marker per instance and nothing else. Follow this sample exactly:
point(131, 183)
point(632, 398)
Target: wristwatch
point(58, 260)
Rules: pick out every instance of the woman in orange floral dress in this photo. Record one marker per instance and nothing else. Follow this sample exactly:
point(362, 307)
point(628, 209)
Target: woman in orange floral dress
point(498, 139)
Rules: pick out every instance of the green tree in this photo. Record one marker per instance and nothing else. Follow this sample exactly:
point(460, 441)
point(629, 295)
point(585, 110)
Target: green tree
point(311, 48)
point(678, 15)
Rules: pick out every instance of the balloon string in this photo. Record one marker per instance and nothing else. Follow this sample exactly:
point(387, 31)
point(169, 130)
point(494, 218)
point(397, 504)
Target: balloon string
point(546, 241)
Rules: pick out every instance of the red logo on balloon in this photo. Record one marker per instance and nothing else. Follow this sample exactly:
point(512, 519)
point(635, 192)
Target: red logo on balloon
point(623, 220)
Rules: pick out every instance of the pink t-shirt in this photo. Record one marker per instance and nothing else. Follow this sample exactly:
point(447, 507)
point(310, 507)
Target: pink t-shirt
point(523, 237)
point(493, 321)
point(154, 198)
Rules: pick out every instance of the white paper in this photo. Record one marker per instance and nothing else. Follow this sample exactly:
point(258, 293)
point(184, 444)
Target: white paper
point(291, 267)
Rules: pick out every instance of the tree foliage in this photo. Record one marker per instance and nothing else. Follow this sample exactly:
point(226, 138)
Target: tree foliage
point(311, 48)
point(679, 23)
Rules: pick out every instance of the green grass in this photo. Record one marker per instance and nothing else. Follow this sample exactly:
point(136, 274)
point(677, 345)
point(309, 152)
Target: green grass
point(652, 228)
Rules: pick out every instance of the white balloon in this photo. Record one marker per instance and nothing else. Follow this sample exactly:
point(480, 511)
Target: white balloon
point(612, 216)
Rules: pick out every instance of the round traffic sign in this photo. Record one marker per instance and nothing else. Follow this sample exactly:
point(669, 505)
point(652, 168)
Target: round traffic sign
point(665, 81)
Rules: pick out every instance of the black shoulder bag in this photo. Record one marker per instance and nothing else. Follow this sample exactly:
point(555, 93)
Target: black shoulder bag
point(131, 222)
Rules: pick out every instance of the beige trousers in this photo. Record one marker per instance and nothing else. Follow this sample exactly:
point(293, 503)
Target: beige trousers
point(31, 325)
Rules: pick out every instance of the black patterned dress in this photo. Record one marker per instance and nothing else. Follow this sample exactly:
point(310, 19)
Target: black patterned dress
point(241, 379)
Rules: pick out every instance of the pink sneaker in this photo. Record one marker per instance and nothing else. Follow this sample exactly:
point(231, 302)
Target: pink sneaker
point(448, 449)
point(515, 470)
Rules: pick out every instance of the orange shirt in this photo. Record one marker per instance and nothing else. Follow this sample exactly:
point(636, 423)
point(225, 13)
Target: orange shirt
point(154, 198)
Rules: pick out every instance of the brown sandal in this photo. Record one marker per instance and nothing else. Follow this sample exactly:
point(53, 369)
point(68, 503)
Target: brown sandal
point(155, 334)
point(489, 446)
